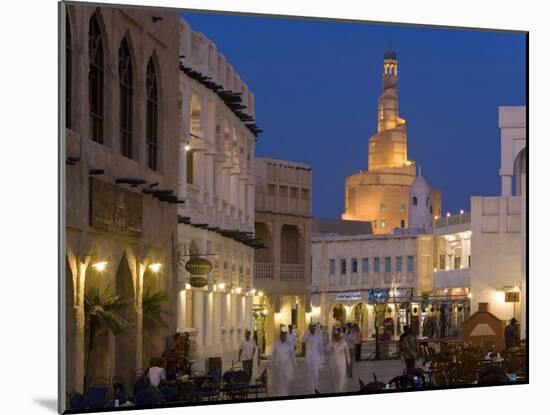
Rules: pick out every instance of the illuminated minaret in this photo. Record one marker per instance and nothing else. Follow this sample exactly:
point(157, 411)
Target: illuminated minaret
point(387, 102)
point(381, 194)
point(388, 148)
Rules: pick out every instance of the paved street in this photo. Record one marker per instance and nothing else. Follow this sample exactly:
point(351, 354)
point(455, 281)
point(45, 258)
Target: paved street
point(384, 369)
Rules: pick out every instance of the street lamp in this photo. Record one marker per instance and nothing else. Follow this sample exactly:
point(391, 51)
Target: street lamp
point(100, 266)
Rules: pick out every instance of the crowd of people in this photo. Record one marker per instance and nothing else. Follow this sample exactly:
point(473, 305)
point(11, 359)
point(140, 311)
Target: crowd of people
point(338, 352)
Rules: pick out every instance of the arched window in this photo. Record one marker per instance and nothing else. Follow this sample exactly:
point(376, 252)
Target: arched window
point(415, 201)
point(126, 81)
point(152, 116)
point(68, 71)
point(95, 80)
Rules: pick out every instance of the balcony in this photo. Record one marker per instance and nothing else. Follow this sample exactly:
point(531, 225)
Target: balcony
point(263, 270)
point(292, 271)
point(455, 278)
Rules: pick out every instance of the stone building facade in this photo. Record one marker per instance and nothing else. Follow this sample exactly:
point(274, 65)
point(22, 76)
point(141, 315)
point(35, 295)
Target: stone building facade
point(121, 121)
point(282, 271)
point(350, 271)
point(381, 194)
point(498, 271)
point(215, 151)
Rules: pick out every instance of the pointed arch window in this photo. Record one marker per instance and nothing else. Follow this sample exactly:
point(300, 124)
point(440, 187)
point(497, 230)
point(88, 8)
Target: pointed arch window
point(126, 82)
point(95, 80)
point(68, 71)
point(152, 116)
point(415, 201)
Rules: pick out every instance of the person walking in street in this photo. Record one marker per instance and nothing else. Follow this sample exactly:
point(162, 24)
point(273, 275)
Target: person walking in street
point(283, 364)
point(246, 354)
point(312, 343)
point(407, 348)
point(339, 360)
point(358, 340)
point(511, 334)
point(349, 337)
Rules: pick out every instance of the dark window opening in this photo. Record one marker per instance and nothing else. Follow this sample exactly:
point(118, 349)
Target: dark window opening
point(152, 117)
point(126, 80)
point(190, 167)
point(95, 80)
point(415, 201)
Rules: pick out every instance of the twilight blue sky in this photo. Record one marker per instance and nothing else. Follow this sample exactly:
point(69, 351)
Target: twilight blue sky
point(316, 85)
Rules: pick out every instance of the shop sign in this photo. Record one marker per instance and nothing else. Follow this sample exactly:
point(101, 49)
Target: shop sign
point(115, 209)
point(402, 293)
point(378, 295)
point(198, 266)
point(198, 281)
point(351, 296)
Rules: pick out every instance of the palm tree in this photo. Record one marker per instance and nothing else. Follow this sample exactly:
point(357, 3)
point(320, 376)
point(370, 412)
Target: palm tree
point(152, 306)
point(102, 311)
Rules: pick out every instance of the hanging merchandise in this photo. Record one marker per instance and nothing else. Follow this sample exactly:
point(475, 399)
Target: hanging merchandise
point(415, 325)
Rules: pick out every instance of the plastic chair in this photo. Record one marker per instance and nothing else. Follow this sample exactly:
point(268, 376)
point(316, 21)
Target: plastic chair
point(210, 389)
point(146, 397)
point(186, 391)
point(371, 386)
point(142, 383)
point(493, 376)
point(97, 396)
point(236, 384)
point(261, 384)
point(119, 391)
point(402, 382)
point(168, 393)
point(78, 401)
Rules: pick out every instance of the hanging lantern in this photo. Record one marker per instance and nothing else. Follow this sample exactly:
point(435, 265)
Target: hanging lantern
point(198, 268)
point(415, 310)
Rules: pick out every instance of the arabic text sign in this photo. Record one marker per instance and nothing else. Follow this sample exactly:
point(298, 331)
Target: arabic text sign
point(351, 296)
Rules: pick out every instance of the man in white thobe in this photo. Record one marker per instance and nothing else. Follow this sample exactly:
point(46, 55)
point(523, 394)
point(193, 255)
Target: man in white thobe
point(283, 363)
point(339, 359)
point(314, 351)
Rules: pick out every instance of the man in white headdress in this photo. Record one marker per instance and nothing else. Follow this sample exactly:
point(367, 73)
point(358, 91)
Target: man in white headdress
point(314, 351)
point(283, 363)
point(339, 359)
